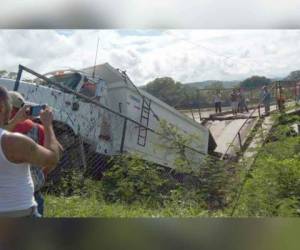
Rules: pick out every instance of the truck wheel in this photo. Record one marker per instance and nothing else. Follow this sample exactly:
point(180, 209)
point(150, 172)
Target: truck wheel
point(71, 158)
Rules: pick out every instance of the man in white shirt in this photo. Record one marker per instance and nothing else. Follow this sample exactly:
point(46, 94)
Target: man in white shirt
point(17, 152)
point(218, 102)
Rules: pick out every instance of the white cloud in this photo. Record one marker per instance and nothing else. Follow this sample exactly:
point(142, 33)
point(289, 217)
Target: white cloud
point(151, 14)
point(185, 55)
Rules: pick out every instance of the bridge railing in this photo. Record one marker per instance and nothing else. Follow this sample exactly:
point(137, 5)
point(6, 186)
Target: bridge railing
point(204, 107)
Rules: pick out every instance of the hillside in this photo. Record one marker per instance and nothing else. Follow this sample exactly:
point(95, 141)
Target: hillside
point(294, 75)
point(204, 84)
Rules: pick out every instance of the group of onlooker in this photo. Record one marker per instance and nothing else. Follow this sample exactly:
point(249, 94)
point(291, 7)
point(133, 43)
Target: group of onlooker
point(238, 102)
point(280, 97)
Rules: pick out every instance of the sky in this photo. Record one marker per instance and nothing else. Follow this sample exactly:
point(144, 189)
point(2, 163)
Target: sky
point(145, 54)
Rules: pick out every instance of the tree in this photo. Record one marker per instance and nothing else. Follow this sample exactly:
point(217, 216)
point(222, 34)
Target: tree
point(179, 95)
point(12, 75)
point(167, 90)
point(2, 73)
point(293, 76)
point(255, 82)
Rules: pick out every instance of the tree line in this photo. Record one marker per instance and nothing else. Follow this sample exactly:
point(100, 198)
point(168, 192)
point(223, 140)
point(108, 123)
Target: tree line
point(180, 95)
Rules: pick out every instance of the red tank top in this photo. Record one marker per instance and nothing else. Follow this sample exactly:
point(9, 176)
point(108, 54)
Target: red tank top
point(27, 125)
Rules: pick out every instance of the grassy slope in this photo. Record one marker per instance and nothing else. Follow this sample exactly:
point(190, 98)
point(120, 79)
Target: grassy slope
point(273, 187)
point(77, 206)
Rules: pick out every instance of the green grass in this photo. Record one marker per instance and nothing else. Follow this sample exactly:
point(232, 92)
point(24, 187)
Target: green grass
point(273, 187)
point(76, 206)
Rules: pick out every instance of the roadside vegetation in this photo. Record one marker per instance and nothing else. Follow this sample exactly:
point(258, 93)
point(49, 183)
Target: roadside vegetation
point(273, 187)
point(135, 188)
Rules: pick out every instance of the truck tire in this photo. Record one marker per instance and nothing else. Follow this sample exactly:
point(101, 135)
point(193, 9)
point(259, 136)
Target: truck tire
point(71, 158)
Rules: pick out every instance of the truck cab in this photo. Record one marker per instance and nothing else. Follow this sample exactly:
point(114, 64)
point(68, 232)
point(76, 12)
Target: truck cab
point(78, 81)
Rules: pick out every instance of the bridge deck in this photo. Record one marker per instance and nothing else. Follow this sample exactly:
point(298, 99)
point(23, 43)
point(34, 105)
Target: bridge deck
point(225, 126)
point(225, 131)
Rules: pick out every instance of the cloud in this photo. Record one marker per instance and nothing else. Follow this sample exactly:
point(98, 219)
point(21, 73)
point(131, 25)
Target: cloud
point(150, 14)
point(185, 55)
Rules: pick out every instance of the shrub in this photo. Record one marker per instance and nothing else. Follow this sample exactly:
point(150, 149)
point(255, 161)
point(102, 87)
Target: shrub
point(131, 179)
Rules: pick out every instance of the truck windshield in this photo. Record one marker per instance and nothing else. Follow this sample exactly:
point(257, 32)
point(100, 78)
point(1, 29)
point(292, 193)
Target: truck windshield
point(70, 80)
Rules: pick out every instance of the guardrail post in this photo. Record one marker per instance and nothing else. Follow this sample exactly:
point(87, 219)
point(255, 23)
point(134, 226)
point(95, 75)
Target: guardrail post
point(123, 135)
point(240, 141)
point(259, 115)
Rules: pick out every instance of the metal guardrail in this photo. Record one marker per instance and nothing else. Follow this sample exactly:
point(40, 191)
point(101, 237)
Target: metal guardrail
point(252, 96)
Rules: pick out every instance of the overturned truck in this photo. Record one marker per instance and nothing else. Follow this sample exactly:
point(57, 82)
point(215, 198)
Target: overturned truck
point(99, 112)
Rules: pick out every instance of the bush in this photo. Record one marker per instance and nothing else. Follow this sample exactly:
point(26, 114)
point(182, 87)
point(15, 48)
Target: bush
point(131, 179)
point(73, 183)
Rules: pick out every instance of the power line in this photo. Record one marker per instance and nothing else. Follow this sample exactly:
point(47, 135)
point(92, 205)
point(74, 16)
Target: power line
point(206, 48)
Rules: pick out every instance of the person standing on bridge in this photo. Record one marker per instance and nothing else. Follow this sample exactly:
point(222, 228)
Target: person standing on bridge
point(218, 102)
point(234, 101)
point(242, 102)
point(266, 99)
point(280, 98)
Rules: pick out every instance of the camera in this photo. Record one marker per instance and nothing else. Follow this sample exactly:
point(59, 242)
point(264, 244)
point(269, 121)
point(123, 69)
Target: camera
point(36, 110)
